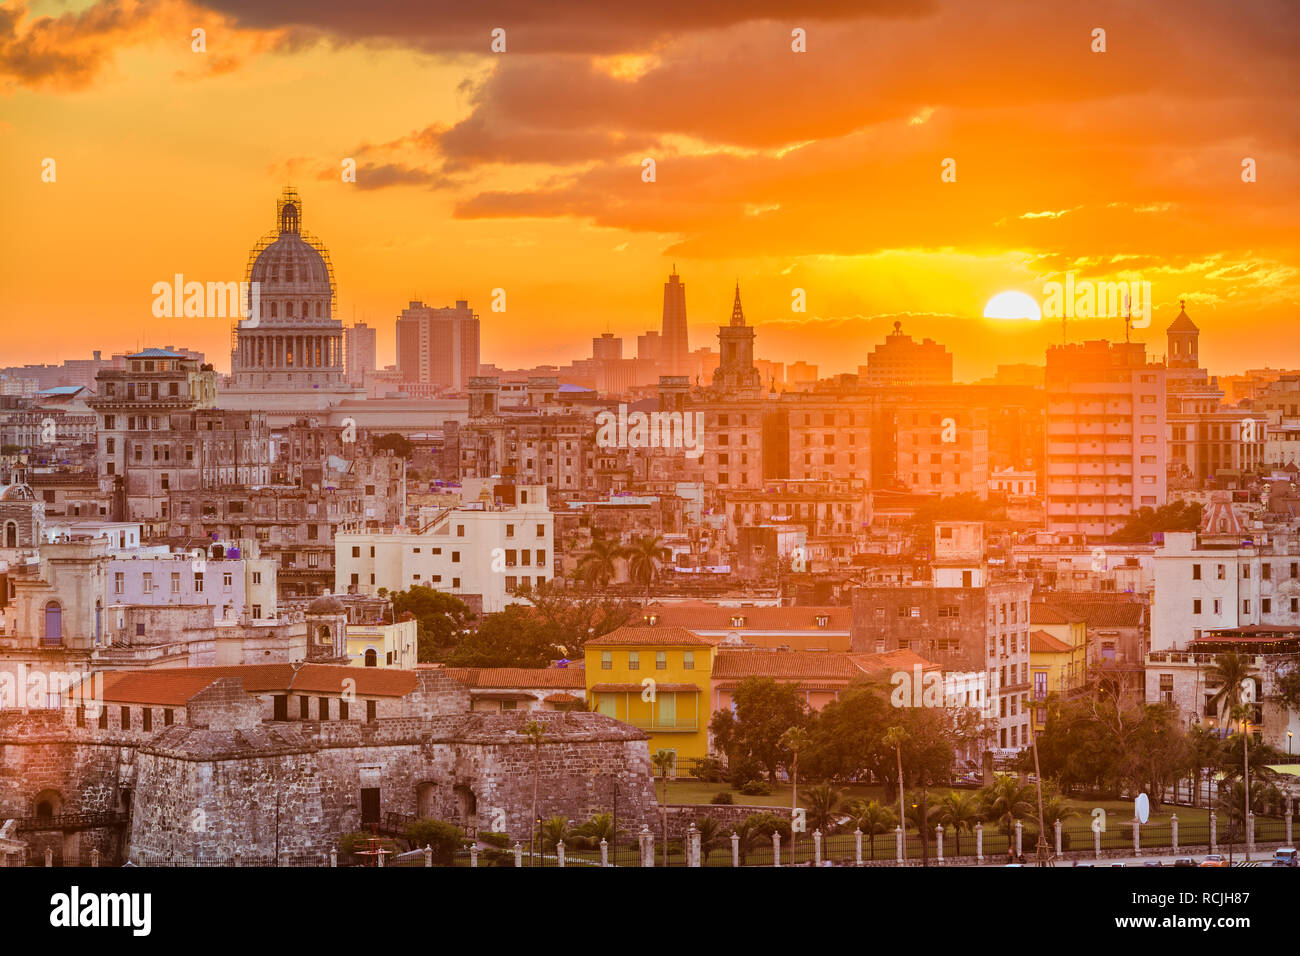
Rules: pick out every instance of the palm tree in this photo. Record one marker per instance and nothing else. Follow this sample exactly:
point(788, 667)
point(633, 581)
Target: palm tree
point(599, 827)
point(1204, 748)
point(597, 566)
point(1229, 672)
point(663, 761)
point(536, 736)
point(959, 811)
point(554, 830)
point(823, 802)
point(643, 558)
point(895, 737)
point(711, 837)
point(793, 739)
point(872, 818)
point(1056, 810)
point(1007, 800)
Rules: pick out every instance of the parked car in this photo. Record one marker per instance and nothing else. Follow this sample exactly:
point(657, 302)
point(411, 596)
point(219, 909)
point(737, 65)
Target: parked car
point(1152, 863)
point(1184, 861)
point(1215, 859)
point(1286, 856)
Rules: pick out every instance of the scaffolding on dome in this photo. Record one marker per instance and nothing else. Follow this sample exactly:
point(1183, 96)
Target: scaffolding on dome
point(289, 196)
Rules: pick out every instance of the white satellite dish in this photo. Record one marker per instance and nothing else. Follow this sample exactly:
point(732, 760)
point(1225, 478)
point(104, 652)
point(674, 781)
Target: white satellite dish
point(1142, 808)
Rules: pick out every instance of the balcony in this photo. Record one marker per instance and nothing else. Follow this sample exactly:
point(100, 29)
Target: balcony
point(683, 725)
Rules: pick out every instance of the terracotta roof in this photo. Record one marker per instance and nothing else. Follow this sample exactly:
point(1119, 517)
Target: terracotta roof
point(561, 698)
point(900, 660)
point(175, 686)
point(784, 665)
point(699, 615)
point(637, 688)
point(1092, 613)
point(651, 637)
point(562, 677)
point(1040, 642)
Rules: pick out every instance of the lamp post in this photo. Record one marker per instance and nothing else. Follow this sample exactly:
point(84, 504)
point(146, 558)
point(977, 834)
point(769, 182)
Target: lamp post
point(1245, 794)
point(1289, 735)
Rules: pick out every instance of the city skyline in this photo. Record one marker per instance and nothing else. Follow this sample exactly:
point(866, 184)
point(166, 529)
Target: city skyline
point(523, 170)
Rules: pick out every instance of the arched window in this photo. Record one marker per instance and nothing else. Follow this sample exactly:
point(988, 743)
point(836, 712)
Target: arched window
point(11, 534)
point(372, 659)
point(306, 310)
point(288, 308)
point(53, 634)
point(323, 636)
point(319, 313)
point(273, 312)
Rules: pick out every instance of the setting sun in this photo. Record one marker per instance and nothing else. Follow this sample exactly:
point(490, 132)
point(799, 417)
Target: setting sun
point(1012, 305)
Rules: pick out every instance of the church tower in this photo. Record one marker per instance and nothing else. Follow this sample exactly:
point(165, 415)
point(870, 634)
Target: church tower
point(1184, 340)
point(736, 347)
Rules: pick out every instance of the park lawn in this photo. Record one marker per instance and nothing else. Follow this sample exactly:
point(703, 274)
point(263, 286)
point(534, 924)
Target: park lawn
point(691, 791)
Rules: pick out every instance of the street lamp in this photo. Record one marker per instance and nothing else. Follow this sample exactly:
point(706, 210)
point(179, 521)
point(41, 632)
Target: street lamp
point(1289, 735)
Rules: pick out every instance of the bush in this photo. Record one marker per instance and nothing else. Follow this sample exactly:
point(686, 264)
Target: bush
point(499, 858)
point(444, 838)
point(756, 788)
point(495, 839)
point(723, 799)
point(743, 771)
point(708, 769)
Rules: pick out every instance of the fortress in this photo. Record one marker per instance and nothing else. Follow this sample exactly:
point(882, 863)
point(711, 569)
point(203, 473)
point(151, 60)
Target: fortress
point(203, 766)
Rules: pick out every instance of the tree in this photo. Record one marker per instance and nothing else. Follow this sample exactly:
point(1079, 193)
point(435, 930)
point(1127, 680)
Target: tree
point(1288, 688)
point(643, 558)
point(1146, 521)
point(569, 618)
point(510, 638)
point(536, 736)
point(958, 811)
point(1007, 800)
point(792, 740)
point(400, 445)
point(895, 737)
point(759, 826)
point(442, 837)
point(711, 837)
point(764, 710)
point(553, 831)
point(599, 827)
point(664, 760)
point(1229, 672)
point(823, 802)
point(598, 566)
point(440, 618)
point(872, 818)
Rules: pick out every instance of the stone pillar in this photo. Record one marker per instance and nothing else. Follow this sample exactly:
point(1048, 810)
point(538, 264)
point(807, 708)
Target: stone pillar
point(239, 856)
point(979, 843)
point(647, 846)
point(898, 844)
point(1137, 838)
point(857, 846)
point(1173, 831)
point(49, 856)
point(776, 847)
point(735, 848)
point(519, 854)
point(380, 856)
point(1096, 843)
point(695, 846)
point(473, 854)
point(1057, 828)
point(817, 848)
point(94, 857)
point(1020, 833)
point(559, 852)
point(938, 842)
point(1288, 826)
point(1250, 832)
point(1214, 832)
point(334, 856)
point(604, 852)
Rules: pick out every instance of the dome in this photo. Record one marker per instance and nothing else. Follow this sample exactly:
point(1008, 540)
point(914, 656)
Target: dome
point(326, 604)
point(17, 492)
point(293, 272)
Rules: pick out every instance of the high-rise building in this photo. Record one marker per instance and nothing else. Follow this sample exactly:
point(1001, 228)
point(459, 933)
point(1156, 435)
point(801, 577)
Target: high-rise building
point(1105, 436)
point(606, 348)
point(438, 346)
point(358, 352)
point(736, 349)
point(901, 361)
point(675, 348)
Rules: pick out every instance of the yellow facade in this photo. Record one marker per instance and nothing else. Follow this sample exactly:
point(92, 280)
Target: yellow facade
point(383, 645)
point(656, 679)
point(1057, 664)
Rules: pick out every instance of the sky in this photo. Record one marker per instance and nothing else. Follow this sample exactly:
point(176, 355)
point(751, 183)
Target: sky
point(916, 158)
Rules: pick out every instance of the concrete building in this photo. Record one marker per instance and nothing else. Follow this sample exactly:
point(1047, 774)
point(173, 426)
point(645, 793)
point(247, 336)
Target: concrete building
point(438, 346)
point(1106, 440)
point(499, 542)
point(358, 353)
point(901, 361)
point(674, 350)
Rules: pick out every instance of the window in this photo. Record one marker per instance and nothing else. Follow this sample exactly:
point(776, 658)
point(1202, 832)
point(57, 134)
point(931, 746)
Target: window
point(324, 705)
point(1196, 572)
point(661, 660)
point(1196, 607)
point(169, 716)
point(198, 583)
point(370, 710)
point(304, 708)
point(1220, 572)
point(541, 531)
point(633, 661)
point(119, 582)
point(147, 583)
point(607, 660)
point(227, 581)
point(126, 718)
point(688, 660)
point(103, 717)
point(176, 582)
point(148, 719)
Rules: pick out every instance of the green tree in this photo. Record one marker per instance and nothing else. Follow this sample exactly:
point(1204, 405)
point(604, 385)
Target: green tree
point(1146, 521)
point(711, 837)
point(440, 618)
point(400, 445)
point(598, 566)
point(536, 735)
point(823, 804)
point(957, 811)
point(758, 827)
point(442, 837)
point(513, 637)
point(872, 819)
point(599, 827)
point(764, 710)
point(664, 761)
point(1007, 800)
point(1229, 672)
point(553, 831)
point(644, 556)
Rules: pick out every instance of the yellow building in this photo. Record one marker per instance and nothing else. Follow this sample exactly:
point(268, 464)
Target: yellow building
point(657, 679)
point(1056, 666)
point(383, 645)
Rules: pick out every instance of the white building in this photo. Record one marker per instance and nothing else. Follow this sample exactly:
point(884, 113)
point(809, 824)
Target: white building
point(498, 542)
point(1224, 578)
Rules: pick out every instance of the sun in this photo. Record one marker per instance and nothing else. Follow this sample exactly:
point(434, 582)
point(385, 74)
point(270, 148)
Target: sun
point(1012, 305)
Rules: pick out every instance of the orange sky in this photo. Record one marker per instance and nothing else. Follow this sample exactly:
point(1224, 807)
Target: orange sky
point(522, 170)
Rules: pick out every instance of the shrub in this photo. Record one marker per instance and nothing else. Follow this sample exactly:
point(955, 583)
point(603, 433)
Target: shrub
point(756, 788)
point(495, 839)
point(744, 770)
point(442, 837)
point(723, 799)
point(499, 858)
point(708, 769)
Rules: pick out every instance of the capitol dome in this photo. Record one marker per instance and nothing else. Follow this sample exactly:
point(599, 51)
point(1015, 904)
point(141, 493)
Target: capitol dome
point(17, 492)
point(326, 604)
point(292, 268)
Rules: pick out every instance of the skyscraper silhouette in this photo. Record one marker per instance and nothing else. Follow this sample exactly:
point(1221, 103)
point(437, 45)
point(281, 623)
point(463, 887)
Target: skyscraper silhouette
point(676, 354)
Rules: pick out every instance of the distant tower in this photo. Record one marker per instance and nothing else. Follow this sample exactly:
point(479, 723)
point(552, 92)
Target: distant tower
point(1184, 340)
point(736, 347)
point(676, 350)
